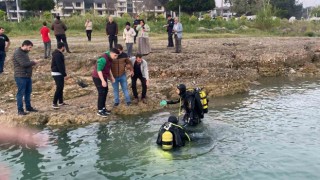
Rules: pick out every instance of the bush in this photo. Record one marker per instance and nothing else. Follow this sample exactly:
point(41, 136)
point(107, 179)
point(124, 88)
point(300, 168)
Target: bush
point(264, 20)
point(160, 18)
point(47, 15)
point(310, 34)
point(207, 17)
point(193, 19)
point(2, 15)
point(184, 18)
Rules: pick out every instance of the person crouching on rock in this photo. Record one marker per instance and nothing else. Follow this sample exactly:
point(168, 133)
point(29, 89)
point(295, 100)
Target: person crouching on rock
point(172, 135)
point(190, 102)
point(102, 72)
point(140, 71)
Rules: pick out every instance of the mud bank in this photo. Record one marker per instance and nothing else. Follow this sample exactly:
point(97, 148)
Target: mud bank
point(221, 66)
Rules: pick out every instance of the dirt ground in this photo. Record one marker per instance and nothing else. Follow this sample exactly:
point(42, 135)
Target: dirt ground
point(222, 66)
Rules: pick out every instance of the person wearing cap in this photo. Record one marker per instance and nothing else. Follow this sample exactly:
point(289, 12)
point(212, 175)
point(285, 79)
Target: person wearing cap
point(172, 135)
point(128, 36)
point(190, 103)
point(140, 71)
point(169, 26)
point(102, 72)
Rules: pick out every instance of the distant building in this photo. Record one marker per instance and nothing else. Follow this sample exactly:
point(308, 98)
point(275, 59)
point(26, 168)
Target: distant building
point(10, 7)
point(100, 7)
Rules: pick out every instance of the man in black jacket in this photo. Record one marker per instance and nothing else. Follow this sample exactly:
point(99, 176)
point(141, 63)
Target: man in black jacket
point(169, 26)
point(136, 22)
point(112, 32)
point(58, 72)
point(22, 75)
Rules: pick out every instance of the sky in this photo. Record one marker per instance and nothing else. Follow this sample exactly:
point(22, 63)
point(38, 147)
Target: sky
point(306, 3)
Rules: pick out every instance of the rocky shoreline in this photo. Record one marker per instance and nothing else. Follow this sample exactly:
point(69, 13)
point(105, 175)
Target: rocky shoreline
point(223, 66)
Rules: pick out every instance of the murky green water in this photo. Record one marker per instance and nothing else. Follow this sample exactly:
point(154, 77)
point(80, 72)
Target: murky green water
point(270, 133)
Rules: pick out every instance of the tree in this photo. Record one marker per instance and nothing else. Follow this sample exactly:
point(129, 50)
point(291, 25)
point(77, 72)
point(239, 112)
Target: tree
point(287, 8)
point(37, 5)
point(190, 6)
point(315, 11)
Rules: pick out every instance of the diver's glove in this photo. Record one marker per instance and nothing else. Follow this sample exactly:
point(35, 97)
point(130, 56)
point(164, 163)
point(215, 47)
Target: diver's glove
point(163, 103)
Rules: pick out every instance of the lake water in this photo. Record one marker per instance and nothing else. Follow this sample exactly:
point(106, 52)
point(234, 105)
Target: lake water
point(272, 132)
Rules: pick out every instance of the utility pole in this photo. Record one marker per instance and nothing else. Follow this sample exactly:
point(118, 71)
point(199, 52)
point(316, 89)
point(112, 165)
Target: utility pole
point(18, 10)
point(221, 13)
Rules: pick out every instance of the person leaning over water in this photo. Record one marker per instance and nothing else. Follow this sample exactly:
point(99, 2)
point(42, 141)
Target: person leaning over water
point(140, 71)
point(102, 72)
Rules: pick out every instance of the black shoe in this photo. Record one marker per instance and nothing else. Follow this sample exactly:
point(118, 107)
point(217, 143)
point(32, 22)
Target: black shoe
point(31, 109)
point(63, 104)
point(128, 103)
point(68, 51)
point(106, 111)
point(55, 106)
point(144, 100)
point(22, 113)
point(102, 113)
point(116, 104)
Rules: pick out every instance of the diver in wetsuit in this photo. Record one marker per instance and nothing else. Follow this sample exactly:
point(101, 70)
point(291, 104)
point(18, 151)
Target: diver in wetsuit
point(172, 135)
point(190, 102)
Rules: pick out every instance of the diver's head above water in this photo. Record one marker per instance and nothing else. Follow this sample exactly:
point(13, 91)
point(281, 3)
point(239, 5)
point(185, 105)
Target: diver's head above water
point(173, 119)
point(181, 89)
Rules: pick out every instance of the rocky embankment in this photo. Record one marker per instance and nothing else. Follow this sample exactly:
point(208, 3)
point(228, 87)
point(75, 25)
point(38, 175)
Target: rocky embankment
point(221, 66)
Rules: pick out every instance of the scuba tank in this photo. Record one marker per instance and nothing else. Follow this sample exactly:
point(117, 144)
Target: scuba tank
point(204, 100)
point(167, 138)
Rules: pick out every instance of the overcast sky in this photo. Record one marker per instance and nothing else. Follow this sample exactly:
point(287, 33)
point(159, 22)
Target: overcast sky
point(306, 3)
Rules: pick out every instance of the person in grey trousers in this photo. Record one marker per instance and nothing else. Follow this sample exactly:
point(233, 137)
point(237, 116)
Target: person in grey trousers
point(177, 30)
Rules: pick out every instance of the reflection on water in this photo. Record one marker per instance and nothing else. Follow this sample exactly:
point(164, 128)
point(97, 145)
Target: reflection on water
point(269, 133)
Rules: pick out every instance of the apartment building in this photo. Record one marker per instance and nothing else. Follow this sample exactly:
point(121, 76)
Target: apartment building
point(10, 6)
point(100, 7)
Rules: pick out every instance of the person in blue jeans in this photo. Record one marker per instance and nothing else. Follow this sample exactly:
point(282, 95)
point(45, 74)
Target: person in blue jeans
point(22, 75)
point(4, 46)
point(118, 70)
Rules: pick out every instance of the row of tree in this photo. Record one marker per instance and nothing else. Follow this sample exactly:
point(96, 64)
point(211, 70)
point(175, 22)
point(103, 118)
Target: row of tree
point(282, 8)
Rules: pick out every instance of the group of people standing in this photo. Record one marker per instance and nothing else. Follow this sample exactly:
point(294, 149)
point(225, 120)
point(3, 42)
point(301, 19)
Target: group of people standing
point(174, 27)
point(112, 65)
point(140, 29)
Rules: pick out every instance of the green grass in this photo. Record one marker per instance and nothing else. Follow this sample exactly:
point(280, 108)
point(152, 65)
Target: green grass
point(233, 28)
